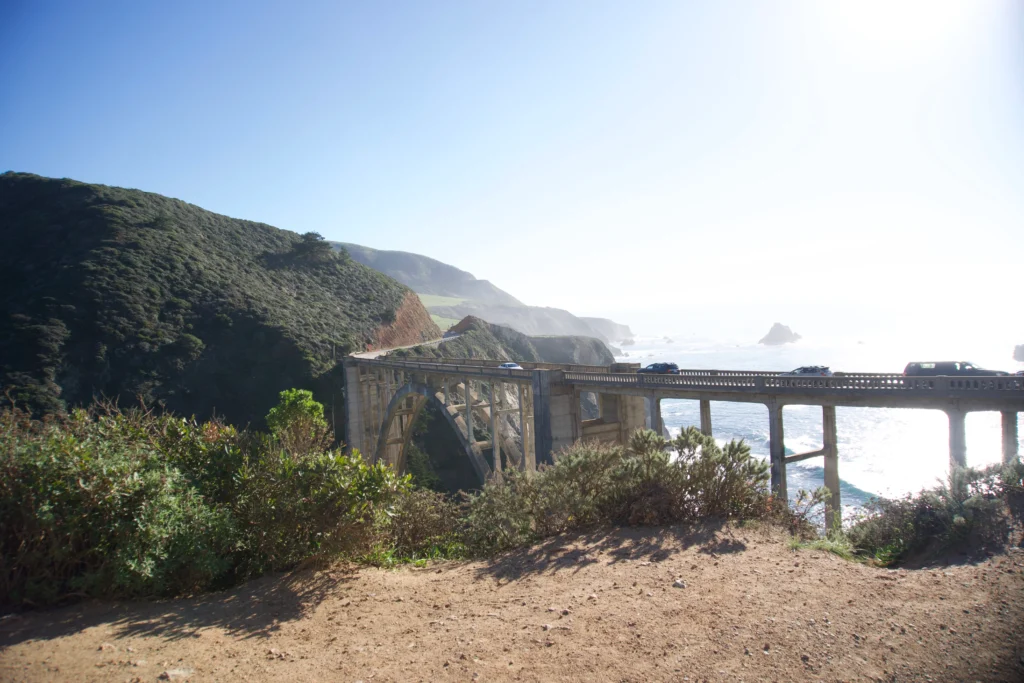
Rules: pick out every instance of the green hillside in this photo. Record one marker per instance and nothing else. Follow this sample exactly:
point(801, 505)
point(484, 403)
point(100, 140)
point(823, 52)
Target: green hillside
point(113, 292)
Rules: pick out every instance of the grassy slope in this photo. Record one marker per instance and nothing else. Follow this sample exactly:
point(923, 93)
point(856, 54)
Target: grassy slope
point(119, 292)
point(429, 300)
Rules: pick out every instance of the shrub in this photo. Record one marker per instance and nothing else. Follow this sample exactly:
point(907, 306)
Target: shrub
point(88, 505)
point(424, 524)
point(291, 506)
point(132, 503)
point(643, 484)
point(968, 509)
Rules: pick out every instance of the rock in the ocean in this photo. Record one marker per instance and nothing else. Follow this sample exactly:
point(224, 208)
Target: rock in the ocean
point(779, 334)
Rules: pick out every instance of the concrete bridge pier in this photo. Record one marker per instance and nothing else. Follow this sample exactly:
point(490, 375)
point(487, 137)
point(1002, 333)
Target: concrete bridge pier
point(657, 424)
point(1009, 436)
point(777, 449)
point(957, 438)
point(705, 417)
point(830, 446)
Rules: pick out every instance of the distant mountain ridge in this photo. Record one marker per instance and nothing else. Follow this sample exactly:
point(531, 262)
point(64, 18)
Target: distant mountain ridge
point(429, 276)
point(480, 298)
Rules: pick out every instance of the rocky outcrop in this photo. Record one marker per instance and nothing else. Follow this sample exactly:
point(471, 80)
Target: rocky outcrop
point(412, 325)
point(1018, 353)
point(576, 350)
point(778, 335)
point(531, 320)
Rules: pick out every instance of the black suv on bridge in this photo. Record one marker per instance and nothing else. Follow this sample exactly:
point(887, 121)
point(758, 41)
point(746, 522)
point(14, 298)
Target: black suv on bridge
point(661, 369)
point(948, 368)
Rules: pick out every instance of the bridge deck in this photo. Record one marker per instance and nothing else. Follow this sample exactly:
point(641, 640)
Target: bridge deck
point(851, 389)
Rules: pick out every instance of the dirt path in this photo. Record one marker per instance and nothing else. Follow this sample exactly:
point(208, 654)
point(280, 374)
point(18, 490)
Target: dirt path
point(600, 607)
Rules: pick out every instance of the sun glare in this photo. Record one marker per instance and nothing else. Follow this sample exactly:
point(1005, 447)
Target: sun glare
point(894, 31)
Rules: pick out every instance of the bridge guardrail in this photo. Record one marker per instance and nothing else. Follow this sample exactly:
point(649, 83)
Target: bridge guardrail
point(774, 383)
point(739, 381)
point(449, 368)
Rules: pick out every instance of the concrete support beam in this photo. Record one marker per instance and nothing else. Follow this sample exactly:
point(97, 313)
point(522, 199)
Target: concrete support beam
point(830, 434)
point(354, 408)
point(957, 438)
point(542, 437)
point(657, 424)
point(496, 387)
point(705, 417)
point(469, 409)
point(777, 450)
point(1009, 436)
point(522, 425)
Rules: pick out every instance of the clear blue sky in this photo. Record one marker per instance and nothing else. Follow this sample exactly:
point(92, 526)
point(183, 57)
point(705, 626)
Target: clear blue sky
point(608, 157)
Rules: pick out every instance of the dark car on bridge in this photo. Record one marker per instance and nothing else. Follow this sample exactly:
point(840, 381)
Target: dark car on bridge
point(949, 367)
point(661, 369)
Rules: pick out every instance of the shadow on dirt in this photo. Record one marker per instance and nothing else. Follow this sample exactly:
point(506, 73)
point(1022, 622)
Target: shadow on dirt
point(254, 610)
point(573, 552)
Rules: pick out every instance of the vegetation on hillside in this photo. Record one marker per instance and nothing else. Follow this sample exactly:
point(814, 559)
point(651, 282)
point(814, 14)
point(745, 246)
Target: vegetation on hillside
point(124, 294)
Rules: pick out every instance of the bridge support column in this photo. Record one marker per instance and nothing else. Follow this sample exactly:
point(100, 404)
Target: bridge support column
point(468, 390)
point(541, 404)
point(1009, 437)
point(957, 438)
point(657, 424)
point(495, 427)
point(833, 508)
point(354, 408)
point(705, 417)
point(777, 450)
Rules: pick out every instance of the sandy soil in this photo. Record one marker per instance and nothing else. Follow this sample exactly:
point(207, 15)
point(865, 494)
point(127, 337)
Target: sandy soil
point(598, 607)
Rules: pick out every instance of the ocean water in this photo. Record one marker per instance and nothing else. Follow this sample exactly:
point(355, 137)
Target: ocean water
point(882, 451)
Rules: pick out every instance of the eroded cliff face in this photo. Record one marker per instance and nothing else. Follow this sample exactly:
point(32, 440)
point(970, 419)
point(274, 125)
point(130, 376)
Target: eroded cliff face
point(412, 325)
point(578, 350)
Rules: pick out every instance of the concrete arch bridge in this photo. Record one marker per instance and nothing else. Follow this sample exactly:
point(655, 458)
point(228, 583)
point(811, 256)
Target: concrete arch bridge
point(521, 418)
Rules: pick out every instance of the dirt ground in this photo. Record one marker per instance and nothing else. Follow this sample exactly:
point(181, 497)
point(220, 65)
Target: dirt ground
point(597, 607)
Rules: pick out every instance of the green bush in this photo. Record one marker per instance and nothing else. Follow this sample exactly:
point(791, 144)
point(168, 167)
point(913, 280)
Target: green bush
point(89, 505)
point(133, 503)
point(969, 510)
point(424, 524)
point(593, 484)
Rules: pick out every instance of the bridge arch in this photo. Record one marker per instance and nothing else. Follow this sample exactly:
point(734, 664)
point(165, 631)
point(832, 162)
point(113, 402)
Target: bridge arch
point(399, 417)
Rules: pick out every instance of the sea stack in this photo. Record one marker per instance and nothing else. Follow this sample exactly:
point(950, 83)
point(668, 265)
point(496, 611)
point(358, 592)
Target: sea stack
point(778, 335)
